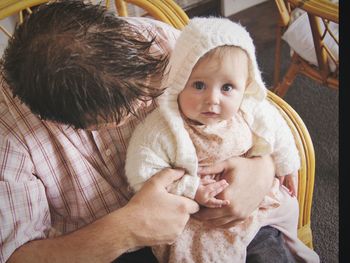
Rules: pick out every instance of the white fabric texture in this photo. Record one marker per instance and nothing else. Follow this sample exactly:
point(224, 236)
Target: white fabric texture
point(299, 38)
point(153, 147)
point(162, 141)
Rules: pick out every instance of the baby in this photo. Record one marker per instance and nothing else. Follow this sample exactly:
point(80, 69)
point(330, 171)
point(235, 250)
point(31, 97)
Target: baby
point(215, 108)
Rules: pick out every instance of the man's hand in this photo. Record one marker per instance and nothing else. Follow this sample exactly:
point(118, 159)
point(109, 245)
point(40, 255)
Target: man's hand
point(250, 179)
point(156, 216)
point(290, 181)
point(152, 216)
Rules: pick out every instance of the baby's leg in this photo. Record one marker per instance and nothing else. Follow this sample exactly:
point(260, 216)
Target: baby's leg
point(285, 219)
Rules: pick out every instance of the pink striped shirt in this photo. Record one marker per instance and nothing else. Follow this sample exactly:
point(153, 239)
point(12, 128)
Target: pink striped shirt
point(54, 179)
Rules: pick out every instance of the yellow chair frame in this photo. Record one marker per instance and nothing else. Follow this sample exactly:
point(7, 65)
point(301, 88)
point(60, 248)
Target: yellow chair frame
point(171, 13)
point(318, 11)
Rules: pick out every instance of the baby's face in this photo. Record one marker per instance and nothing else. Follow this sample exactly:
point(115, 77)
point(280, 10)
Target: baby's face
point(215, 88)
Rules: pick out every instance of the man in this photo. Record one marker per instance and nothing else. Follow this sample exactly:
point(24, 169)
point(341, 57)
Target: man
point(76, 81)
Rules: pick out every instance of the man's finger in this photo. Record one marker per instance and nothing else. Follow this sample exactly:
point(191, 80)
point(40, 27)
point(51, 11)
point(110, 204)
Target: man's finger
point(191, 206)
point(207, 181)
point(212, 213)
point(168, 176)
point(213, 169)
point(222, 222)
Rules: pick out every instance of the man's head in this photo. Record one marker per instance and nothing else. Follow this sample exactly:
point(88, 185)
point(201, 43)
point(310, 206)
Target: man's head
point(76, 64)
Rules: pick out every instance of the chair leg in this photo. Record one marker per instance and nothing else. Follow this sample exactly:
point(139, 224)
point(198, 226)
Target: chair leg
point(282, 88)
point(277, 56)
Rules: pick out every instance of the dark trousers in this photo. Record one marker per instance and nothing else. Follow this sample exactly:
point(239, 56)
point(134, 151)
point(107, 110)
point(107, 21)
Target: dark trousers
point(267, 246)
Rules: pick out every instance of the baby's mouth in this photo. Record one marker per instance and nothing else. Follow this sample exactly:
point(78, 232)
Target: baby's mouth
point(210, 114)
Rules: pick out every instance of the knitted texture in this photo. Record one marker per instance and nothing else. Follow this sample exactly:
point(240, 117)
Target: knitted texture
point(199, 37)
point(153, 147)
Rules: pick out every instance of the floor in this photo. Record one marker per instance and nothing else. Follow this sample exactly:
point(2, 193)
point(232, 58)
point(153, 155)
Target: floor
point(260, 21)
point(200, 7)
point(262, 32)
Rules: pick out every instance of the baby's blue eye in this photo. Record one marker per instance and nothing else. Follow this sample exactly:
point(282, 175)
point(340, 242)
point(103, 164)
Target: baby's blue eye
point(199, 85)
point(227, 87)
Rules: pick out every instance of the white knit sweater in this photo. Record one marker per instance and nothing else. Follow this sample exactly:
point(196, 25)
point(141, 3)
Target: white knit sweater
point(161, 140)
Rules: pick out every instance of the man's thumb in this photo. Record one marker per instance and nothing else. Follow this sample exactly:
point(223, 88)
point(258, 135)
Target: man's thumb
point(168, 176)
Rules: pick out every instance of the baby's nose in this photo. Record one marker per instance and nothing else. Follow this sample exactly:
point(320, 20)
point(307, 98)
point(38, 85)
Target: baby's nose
point(213, 97)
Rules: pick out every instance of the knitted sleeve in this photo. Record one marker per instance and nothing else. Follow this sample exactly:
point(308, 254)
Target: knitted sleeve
point(151, 149)
point(285, 153)
point(147, 154)
point(275, 138)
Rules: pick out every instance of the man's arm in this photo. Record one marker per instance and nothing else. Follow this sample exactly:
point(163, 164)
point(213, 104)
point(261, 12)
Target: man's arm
point(153, 216)
point(250, 180)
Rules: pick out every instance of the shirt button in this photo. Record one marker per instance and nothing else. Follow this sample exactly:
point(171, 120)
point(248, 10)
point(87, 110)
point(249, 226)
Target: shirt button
point(108, 152)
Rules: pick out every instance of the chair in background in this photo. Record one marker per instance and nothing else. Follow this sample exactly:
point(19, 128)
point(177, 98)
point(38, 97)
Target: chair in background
point(313, 38)
point(171, 13)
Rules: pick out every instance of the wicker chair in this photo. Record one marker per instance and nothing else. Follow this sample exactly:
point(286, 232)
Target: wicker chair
point(321, 25)
point(169, 12)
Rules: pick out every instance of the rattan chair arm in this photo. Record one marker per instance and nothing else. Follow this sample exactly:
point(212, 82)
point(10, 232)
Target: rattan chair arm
point(164, 10)
point(283, 12)
point(321, 8)
point(10, 7)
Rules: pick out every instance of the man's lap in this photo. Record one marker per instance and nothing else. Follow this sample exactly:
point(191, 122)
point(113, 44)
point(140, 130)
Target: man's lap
point(267, 246)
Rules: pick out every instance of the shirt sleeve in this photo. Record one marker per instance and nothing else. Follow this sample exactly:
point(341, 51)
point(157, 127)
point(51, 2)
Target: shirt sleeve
point(24, 210)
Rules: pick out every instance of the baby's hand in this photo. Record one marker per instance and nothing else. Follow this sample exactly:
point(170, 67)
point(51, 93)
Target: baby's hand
point(208, 189)
point(289, 182)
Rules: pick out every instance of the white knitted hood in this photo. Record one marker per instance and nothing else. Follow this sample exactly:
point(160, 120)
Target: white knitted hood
point(199, 37)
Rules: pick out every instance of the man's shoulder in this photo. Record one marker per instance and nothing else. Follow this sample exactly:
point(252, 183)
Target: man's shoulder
point(7, 121)
point(150, 23)
point(17, 122)
point(166, 34)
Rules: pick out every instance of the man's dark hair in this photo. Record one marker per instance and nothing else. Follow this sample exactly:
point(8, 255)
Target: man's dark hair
point(75, 63)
